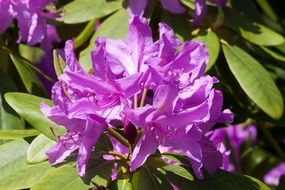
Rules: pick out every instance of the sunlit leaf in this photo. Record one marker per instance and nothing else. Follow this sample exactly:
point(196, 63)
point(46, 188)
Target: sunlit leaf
point(37, 150)
point(251, 31)
point(12, 157)
point(28, 106)
point(254, 80)
point(29, 79)
point(115, 26)
point(17, 133)
point(84, 10)
point(211, 40)
point(26, 177)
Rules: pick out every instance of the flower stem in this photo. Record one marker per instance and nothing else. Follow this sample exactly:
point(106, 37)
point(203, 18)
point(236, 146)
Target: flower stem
point(85, 34)
point(119, 137)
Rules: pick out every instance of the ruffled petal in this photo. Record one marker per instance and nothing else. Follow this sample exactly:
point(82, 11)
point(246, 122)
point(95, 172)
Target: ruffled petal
point(144, 148)
point(94, 128)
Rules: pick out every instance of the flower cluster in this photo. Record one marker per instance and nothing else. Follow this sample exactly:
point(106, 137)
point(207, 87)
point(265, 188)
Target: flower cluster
point(156, 90)
point(31, 19)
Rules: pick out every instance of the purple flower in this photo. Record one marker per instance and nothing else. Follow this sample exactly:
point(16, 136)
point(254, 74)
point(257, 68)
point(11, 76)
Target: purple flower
point(274, 175)
point(137, 7)
point(236, 135)
point(83, 104)
point(30, 17)
point(201, 9)
point(154, 90)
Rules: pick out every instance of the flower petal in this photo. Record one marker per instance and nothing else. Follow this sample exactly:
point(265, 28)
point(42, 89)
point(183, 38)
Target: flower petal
point(144, 148)
point(136, 7)
point(94, 128)
point(172, 6)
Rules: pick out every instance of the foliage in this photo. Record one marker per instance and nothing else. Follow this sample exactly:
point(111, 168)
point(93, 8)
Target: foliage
point(245, 41)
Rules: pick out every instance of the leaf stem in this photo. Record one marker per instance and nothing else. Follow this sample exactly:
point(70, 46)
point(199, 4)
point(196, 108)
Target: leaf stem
point(85, 34)
point(119, 137)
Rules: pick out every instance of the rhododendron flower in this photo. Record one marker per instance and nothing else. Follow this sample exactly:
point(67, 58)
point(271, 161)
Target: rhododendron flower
point(273, 176)
point(157, 90)
point(137, 6)
point(30, 18)
point(236, 135)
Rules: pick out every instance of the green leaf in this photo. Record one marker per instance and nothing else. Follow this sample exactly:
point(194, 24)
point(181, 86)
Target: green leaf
point(251, 31)
point(223, 180)
point(58, 63)
point(254, 80)
point(37, 149)
point(211, 40)
point(18, 134)
point(67, 177)
point(144, 179)
point(9, 119)
point(12, 157)
point(64, 178)
point(267, 9)
point(27, 177)
point(179, 170)
point(121, 184)
point(190, 4)
point(84, 10)
point(29, 79)
point(28, 106)
point(33, 54)
point(274, 54)
point(115, 26)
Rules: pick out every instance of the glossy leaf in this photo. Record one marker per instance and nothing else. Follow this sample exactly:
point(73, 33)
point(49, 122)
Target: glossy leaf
point(179, 170)
point(37, 150)
point(84, 10)
point(27, 177)
point(28, 106)
point(29, 79)
point(64, 178)
point(115, 26)
point(121, 184)
point(251, 31)
point(144, 179)
point(211, 40)
point(18, 134)
point(224, 181)
point(9, 119)
point(274, 54)
point(12, 157)
point(254, 80)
